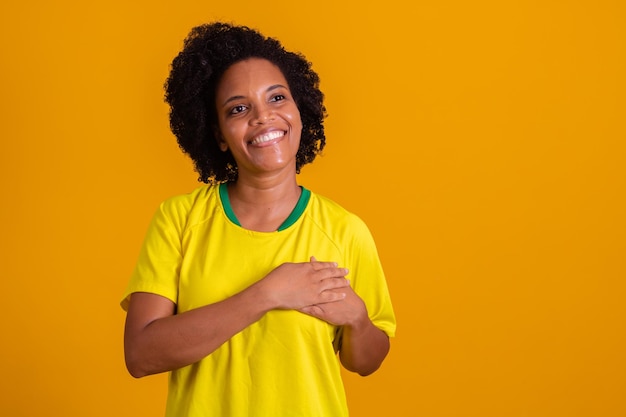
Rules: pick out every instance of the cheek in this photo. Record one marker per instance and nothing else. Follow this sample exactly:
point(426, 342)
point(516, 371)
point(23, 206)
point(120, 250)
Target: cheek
point(295, 120)
point(228, 133)
point(297, 128)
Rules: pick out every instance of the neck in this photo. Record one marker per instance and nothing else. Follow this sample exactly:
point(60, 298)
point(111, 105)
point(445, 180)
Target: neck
point(263, 203)
point(268, 189)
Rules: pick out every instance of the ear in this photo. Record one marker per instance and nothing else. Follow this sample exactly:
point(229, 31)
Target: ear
point(220, 139)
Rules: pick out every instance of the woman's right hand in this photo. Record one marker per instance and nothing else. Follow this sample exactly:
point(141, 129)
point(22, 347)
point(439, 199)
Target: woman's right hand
point(157, 339)
point(298, 285)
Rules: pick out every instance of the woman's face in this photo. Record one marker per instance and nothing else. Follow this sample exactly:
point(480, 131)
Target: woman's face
point(258, 119)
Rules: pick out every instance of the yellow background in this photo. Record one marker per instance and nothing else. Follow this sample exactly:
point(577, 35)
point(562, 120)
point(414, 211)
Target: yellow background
point(482, 141)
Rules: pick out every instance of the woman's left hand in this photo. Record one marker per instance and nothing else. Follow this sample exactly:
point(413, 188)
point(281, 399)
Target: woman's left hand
point(363, 345)
point(350, 311)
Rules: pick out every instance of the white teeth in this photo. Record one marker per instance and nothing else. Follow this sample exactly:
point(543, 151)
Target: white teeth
point(267, 137)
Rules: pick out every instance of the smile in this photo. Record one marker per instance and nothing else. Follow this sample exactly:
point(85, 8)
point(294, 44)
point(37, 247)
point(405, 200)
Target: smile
point(266, 137)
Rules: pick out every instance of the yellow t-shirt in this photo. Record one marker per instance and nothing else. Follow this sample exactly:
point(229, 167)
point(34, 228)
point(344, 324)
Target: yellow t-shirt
point(196, 254)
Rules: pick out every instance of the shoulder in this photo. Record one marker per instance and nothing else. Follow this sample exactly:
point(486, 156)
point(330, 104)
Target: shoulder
point(331, 216)
point(187, 200)
point(191, 207)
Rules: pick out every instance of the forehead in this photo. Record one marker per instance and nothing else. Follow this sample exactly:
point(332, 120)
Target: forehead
point(250, 74)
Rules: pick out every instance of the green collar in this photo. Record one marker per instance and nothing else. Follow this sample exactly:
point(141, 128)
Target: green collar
point(291, 219)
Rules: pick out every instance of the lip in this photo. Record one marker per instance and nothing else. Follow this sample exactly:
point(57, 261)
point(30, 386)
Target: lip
point(267, 138)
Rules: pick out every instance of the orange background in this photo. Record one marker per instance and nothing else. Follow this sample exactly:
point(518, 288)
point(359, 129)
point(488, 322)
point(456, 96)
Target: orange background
point(483, 142)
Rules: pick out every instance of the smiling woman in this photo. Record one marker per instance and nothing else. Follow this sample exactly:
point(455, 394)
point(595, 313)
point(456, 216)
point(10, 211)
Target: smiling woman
point(258, 119)
point(209, 51)
point(246, 331)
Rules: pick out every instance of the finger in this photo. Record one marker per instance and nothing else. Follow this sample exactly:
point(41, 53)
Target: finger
point(334, 284)
point(317, 265)
point(332, 272)
point(331, 297)
point(313, 310)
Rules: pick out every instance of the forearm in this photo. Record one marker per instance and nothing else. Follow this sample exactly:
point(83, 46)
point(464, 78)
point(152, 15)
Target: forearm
point(158, 340)
point(363, 347)
point(174, 341)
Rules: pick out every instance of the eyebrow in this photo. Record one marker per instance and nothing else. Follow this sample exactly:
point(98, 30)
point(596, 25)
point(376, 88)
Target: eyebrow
point(270, 88)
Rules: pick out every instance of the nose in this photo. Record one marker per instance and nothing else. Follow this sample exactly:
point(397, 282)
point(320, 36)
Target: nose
point(262, 114)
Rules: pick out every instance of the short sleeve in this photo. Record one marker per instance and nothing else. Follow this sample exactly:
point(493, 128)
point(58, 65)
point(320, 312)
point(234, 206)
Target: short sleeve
point(158, 266)
point(369, 280)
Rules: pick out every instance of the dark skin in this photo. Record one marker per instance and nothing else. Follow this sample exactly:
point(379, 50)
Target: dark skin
point(260, 125)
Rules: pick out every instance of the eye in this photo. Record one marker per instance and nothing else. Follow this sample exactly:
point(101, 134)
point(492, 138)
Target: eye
point(277, 97)
point(238, 109)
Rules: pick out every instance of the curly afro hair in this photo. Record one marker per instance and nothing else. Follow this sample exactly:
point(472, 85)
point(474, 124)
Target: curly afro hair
point(208, 51)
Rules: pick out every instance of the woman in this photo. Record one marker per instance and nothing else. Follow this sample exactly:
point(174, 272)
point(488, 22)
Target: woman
point(246, 288)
